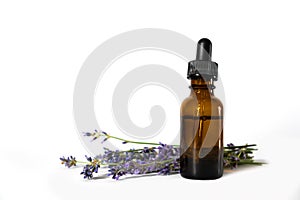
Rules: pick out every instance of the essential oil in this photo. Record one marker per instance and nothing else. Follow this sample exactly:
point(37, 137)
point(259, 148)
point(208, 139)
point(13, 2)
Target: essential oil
point(201, 139)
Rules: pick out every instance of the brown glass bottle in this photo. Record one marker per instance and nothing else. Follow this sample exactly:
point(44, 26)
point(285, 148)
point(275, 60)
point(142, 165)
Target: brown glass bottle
point(201, 141)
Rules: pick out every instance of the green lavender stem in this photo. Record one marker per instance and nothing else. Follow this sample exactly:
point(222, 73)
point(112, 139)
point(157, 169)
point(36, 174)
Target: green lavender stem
point(107, 136)
point(242, 146)
point(131, 141)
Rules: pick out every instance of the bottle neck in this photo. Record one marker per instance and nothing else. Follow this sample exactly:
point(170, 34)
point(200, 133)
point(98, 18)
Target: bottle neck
point(202, 86)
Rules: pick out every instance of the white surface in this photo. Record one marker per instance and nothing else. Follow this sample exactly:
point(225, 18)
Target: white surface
point(42, 47)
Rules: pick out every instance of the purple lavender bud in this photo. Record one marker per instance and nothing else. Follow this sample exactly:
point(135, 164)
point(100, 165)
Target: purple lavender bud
point(69, 161)
point(230, 145)
point(103, 140)
point(87, 133)
point(88, 158)
point(104, 133)
point(87, 173)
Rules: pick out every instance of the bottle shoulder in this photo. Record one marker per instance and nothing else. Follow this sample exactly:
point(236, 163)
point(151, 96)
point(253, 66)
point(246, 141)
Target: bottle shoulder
point(198, 100)
point(217, 101)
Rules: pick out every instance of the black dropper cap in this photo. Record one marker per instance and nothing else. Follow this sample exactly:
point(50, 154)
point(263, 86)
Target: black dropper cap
point(203, 67)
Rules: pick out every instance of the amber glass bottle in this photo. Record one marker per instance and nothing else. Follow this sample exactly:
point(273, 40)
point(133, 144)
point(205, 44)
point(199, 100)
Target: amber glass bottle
point(201, 141)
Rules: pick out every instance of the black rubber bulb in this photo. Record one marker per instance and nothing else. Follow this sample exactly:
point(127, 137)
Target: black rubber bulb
point(204, 48)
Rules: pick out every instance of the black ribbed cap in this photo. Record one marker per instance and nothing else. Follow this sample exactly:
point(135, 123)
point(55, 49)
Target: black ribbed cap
point(203, 66)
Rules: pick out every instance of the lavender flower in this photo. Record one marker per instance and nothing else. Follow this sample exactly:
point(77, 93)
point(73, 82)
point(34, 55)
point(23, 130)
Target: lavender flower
point(92, 167)
point(170, 168)
point(230, 145)
point(88, 174)
point(162, 160)
point(238, 155)
point(69, 161)
point(116, 174)
point(96, 134)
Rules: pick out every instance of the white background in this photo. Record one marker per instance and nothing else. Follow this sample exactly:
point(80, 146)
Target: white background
point(43, 45)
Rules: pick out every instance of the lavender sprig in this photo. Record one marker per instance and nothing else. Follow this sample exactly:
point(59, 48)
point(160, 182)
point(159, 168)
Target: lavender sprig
point(69, 161)
point(239, 155)
point(92, 167)
point(162, 159)
point(97, 134)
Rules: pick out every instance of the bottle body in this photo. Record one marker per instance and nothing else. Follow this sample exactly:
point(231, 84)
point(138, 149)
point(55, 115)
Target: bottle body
point(201, 139)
